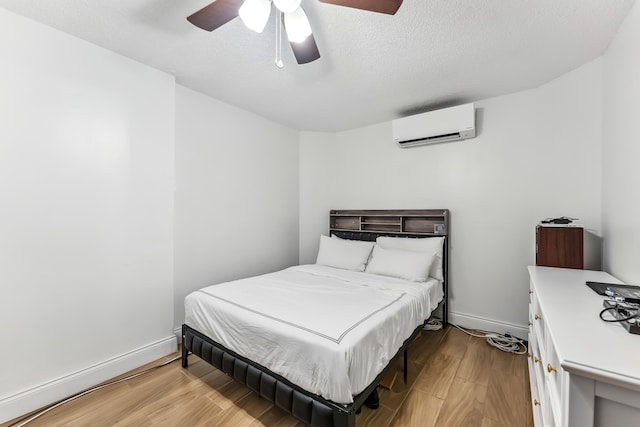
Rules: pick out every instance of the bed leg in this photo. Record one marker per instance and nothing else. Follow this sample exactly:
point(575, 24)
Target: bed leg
point(406, 359)
point(185, 350)
point(445, 314)
point(344, 419)
point(185, 359)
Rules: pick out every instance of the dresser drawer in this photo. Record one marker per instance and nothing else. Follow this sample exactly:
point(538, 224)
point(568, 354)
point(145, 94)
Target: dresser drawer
point(537, 320)
point(555, 379)
point(536, 397)
point(536, 360)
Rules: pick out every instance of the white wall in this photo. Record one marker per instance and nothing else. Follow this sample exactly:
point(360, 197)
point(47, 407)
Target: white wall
point(537, 155)
point(86, 220)
point(621, 151)
point(236, 209)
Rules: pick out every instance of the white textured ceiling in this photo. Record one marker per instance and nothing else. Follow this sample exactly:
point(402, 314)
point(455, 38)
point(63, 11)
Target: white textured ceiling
point(373, 67)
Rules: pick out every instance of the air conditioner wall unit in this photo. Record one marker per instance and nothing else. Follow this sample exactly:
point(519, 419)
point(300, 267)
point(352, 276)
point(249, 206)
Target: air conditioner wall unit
point(445, 125)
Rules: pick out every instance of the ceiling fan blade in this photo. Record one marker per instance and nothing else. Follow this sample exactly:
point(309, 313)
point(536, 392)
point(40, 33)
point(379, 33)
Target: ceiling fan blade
point(216, 14)
point(307, 51)
point(389, 7)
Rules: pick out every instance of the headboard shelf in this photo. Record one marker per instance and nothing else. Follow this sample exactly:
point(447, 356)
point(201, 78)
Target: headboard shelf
point(428, 222)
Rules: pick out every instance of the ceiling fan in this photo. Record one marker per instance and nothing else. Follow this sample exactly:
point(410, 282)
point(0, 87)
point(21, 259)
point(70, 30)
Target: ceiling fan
point(255, 14)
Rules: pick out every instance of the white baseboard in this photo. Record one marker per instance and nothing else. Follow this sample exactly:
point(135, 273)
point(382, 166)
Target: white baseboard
point(489, 325)
point(29, 400)
point(178, 333)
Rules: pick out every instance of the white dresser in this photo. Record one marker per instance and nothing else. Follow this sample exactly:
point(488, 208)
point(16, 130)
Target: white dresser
point(583, 371)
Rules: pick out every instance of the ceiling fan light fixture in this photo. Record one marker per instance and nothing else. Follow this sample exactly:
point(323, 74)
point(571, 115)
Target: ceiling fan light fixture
point(287, 6)
point(297, 26)
point(255, 14)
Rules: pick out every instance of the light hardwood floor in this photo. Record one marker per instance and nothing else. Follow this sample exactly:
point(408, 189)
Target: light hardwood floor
point(454, 380)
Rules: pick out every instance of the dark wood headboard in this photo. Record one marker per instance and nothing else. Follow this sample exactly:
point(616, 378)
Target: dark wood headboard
point(418, 222)
point(370, 224)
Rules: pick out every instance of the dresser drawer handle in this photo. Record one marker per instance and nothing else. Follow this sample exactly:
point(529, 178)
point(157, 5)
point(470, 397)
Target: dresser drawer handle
point(537, 317)
point(536, 360)
point(551, 368)
point(530, 291)
point(529, 355)
point(535, 402)
point(530, 323)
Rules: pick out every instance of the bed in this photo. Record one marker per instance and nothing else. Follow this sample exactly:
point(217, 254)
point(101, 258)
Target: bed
point(317, 339)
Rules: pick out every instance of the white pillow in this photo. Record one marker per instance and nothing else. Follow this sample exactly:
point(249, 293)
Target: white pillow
point(344, 253)
point(433, 245)
point(407, 265)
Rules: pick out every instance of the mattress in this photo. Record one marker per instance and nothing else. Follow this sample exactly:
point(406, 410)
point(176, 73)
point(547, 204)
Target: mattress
point(327, 330)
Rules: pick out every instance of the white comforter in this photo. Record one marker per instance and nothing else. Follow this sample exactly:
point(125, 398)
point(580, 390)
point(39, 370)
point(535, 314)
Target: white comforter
point(329, 331)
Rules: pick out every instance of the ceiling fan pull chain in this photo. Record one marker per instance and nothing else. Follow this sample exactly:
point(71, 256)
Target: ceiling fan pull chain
point(278, 59)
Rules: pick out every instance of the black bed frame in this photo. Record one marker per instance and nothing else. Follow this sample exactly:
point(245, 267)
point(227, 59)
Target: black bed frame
point(310, 408)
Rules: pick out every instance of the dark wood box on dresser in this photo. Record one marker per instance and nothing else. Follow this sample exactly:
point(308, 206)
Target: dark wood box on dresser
point(560, 246)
